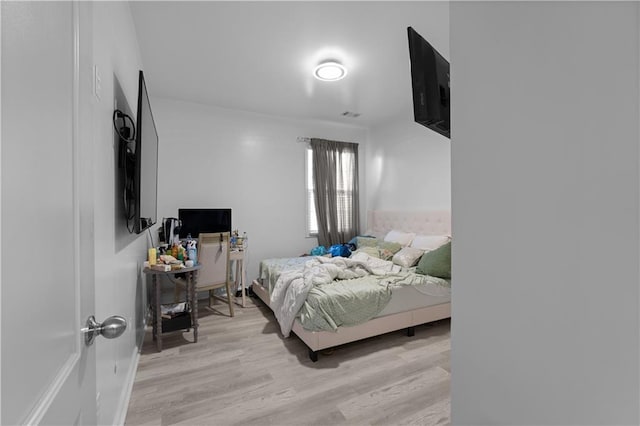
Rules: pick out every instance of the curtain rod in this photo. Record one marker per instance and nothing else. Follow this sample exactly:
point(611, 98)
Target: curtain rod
point(305, 139)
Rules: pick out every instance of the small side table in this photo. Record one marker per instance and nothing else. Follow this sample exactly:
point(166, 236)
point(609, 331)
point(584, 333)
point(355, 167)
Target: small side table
point(238, 256)
point(190, 275)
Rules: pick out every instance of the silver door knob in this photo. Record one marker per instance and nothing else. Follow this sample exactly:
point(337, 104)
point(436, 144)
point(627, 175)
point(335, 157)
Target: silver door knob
point(110, 328)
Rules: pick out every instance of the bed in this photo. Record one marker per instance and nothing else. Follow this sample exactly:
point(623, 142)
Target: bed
point(405, 299)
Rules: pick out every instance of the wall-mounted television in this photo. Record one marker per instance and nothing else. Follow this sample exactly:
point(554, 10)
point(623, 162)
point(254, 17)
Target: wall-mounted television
point(145, 174)
point(197, 221)
point(430, 85)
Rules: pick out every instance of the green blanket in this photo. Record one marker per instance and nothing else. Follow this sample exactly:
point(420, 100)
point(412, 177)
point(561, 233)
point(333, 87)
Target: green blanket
point(270, 269)
point(344, 303)
point(410, 277)
point(352, 302)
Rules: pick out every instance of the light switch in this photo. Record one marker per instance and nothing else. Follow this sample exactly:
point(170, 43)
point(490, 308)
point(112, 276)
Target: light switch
point(97, 82)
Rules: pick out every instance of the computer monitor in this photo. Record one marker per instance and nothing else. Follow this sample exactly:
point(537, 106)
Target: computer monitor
point(197, 221)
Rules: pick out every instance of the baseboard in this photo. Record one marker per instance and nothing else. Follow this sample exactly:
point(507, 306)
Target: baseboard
point(123, 405)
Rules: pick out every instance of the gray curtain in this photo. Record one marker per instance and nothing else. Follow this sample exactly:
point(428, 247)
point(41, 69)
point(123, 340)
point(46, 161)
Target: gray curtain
point(335, 177)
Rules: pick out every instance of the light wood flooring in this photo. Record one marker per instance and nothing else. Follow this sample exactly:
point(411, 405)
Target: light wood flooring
point(242, 372)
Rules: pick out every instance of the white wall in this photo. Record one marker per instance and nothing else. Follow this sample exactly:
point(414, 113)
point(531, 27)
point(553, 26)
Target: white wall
point(215, 158)
point(545, 183)
point(119, 255)
point(408, 168)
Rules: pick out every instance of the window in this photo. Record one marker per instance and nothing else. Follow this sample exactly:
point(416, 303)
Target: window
point(312, 220)
point(344, 192)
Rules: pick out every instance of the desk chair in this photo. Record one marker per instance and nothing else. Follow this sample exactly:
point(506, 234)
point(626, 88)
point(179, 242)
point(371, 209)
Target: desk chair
point(213, 255)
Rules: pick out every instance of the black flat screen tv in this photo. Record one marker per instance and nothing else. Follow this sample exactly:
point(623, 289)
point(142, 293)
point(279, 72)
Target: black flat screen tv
point(197, 221)
point(430, 85)
point(146, 163)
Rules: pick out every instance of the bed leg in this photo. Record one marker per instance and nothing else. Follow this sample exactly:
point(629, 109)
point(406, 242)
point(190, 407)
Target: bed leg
point(411, 331)
point(313, 355)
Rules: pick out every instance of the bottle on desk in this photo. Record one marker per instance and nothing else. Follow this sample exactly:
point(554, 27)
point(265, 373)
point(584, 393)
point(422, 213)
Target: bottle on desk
point(192, 251)
point(152, 256)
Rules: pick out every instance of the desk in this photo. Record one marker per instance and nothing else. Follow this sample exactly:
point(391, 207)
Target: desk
point(240, 274)
point(190, 274)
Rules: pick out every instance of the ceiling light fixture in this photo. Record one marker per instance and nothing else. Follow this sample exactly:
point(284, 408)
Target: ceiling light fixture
point(330, 71)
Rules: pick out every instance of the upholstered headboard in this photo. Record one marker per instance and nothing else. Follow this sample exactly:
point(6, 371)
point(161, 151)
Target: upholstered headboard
point(432, 222)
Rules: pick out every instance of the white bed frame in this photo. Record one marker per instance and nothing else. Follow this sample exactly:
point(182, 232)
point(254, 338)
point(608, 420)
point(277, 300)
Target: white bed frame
point(379, 223)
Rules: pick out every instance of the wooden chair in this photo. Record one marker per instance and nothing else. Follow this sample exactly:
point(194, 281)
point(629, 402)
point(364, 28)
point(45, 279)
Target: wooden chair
point(213, 255)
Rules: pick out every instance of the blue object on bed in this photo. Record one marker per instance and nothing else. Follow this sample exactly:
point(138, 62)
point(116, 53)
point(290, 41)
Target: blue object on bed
point(340, 250)
point(318, 251)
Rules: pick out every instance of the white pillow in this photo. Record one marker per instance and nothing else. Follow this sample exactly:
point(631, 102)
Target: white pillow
point(402, 238)
point(429, 242)
point(371, 232)
point(407, 256)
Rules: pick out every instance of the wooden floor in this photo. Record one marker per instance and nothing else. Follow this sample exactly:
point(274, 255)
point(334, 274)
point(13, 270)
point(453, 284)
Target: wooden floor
point(242, 372)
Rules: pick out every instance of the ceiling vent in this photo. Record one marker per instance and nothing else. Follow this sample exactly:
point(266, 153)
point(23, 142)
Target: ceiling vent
point(351, 114)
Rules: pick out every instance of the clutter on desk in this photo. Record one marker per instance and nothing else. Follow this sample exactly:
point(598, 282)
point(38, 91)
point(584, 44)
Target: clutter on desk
point(177, 255)
point(169, 262)
point(239, 243)
point(168, 259)
point(161, 267)
point(184, 254)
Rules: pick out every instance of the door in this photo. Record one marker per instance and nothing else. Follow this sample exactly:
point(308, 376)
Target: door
point(47, 292)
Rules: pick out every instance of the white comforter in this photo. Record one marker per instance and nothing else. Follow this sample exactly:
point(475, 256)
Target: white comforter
point(292, 287)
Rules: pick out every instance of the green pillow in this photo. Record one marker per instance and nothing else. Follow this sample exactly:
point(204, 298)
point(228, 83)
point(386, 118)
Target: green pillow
point(366, 242)
point(387, 245)
point(385, 254)
point(371, 251)
point(375, 242)
point(436, 263)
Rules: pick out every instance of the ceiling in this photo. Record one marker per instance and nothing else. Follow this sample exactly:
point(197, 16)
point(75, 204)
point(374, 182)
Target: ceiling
point(259, 56)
